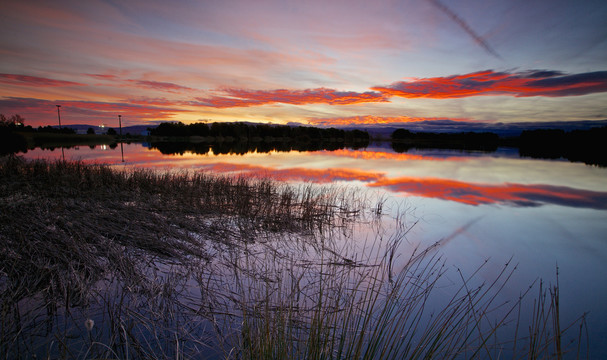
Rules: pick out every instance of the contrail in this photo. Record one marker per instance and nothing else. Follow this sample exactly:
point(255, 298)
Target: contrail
point(442, 241)
point(477, 38)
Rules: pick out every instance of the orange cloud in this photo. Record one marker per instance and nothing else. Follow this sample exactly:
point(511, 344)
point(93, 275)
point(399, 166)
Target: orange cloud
point(519, 84)
point(243, 98)
point(35, 81)
point(374, 120)
point(477, 194)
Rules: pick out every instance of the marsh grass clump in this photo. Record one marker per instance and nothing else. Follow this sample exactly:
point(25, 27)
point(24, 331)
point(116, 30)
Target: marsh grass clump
point(68, 228)
point(353, 310)
point(97, 262)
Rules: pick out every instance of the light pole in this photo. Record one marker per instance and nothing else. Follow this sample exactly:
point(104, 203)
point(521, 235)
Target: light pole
point(59, 115)
point(120, 127)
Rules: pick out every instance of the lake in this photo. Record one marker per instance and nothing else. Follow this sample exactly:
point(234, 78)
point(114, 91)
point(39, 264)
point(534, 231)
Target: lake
point(540, 214)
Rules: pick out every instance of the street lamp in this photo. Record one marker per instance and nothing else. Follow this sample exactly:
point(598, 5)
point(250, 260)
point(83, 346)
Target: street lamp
point(120, 126)
point(59, 115)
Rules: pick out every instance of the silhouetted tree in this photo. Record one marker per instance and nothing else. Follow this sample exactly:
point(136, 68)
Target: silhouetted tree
point(112, 132)
point(400, 134)
point(588, 146)
point(50, 129)
point(199, 129)
point(242, 131)
point(170, 129)
point(13, 121)
point(90, 131)
point(10, 140)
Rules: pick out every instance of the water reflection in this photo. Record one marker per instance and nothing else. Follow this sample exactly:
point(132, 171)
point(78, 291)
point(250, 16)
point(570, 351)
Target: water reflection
point(241, 148)
point(540, 212)
point(508, 194)
point(319, 176)
point(472, 178)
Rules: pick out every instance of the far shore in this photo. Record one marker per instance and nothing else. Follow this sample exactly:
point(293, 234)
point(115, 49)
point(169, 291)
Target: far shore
point(577, 146)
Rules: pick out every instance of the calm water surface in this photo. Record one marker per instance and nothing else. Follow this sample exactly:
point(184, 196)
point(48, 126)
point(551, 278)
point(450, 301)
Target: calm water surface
point(543, 214)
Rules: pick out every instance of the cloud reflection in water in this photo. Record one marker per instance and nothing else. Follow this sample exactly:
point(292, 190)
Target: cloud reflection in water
point(446, 189)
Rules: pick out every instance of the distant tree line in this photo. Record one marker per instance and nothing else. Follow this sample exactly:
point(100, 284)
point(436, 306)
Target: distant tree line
point(17, 123)
point(258, 131)
point(588, 146)
point(405, 139)
point(15, 134)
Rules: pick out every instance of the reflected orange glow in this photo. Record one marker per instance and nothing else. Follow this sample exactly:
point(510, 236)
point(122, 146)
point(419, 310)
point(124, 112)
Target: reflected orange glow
point(383, 155)
point(321, 176)
point(477, 194)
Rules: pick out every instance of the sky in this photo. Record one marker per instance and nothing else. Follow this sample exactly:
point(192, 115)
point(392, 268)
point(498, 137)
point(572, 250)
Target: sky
point(323, 63)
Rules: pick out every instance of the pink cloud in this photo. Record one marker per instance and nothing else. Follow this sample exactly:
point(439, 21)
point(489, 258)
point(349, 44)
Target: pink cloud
point(243, 98)
point(103, 76)
point(145, 84)
point(35, 81)
point(159, 85)
point(42, 112)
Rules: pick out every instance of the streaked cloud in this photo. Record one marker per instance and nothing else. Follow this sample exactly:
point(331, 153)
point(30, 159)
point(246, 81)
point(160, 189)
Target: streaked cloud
point(224, 60)
point(373, 120)
point(103, 76)
point(481, 41)
point(244, 98)
point(159, 85)
point(74, 111)
point(35, 81)
point(164, 99)
point(518, 84)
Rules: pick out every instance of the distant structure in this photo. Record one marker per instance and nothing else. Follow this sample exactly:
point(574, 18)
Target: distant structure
point(59, 115)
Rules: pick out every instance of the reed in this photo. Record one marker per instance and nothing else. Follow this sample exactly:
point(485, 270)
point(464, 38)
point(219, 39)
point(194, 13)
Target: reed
point(106, 263)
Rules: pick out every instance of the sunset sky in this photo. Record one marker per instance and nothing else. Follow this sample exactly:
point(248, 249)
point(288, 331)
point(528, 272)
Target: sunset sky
point(311, 62)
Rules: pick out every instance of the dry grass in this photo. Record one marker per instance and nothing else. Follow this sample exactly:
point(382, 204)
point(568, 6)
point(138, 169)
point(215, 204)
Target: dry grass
point(67, 227)
point(192, 265)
